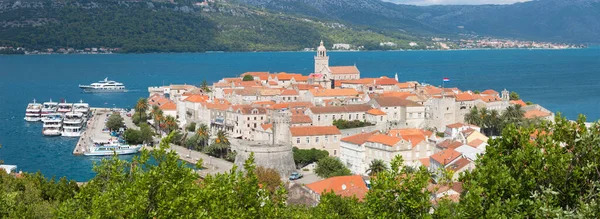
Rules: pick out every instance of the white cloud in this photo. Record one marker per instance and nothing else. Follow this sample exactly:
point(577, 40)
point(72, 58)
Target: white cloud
point(455, 2)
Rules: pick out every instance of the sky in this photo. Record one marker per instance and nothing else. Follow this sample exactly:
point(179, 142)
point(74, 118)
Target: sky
point(455, 2)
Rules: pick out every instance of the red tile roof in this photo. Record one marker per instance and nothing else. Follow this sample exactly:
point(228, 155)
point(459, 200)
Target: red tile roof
point(168, 106)
point(518, 102)
point(314, 130)
point(344, 70)
point(459, 164)
point(289, 93)
point(376, 112)
point(340, 109)
point(384, 139)
point(262, 75)
point(446, 156)
point(360, 138)
point(490, 92)
point(299, 119)
point(476, 143)
point(395, 101)
point(345, 186)
point(449, 143)
point(334, 92)
point(536, 113)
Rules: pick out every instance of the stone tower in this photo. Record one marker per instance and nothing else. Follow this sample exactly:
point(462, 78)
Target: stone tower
point(281, 127)
point(505, 95)
point(321, 59)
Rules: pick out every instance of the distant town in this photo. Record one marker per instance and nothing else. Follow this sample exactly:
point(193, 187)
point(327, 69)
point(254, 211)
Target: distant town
point(359, 121)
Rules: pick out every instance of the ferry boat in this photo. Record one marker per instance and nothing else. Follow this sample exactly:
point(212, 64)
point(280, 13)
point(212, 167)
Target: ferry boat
point(52, 126)
point(72, 124)
point(50, 116)
point(49, 107)
point(64, 107)
point(82, 108)
point(109, 148)
point(33, 111)
point(104, 86)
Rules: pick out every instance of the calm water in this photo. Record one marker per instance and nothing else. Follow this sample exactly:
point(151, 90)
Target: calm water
point(561, 80)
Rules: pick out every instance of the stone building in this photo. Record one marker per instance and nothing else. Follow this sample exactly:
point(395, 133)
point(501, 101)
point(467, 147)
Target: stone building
point(325, 115)
point(318, 137)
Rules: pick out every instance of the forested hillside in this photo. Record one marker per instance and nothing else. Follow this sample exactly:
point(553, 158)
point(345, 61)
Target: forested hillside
point(181, 26)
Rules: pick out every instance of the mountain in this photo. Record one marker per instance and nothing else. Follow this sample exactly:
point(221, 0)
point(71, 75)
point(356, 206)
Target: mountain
point(575, 21)
point(175, 26)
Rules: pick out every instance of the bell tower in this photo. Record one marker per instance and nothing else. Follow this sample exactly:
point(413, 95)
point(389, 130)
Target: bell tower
point(321, 59)
point(505, 95)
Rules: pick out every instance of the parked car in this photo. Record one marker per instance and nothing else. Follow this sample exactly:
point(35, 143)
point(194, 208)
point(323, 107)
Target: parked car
point(295, 176)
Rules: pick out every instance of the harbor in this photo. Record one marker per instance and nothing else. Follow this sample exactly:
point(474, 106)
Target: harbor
point(96, 129)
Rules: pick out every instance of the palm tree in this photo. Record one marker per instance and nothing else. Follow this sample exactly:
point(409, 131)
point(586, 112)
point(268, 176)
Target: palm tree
point(493, 122)
point(376, 166)
point(513, 114)
point(158, 116)
point(170, 124)
point(473, 117)
point(141, 107)
point(204, 134)
point(221, 144)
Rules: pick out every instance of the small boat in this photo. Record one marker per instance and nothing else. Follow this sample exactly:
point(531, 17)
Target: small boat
point(104, 86)
point(108, 148)
point(64, 107)
point(49, 107)
point(33, 111)
point(72, 124)
point(52, 125)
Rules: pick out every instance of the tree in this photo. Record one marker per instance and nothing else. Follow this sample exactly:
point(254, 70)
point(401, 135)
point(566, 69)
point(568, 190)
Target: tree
point(157, 115)
point(146, 133)
point(331, 166)
point(269, 178)
point(204, 135)
point(132, 136)
point(514, 96)
point(115, 121)
point(221, 145)
point(140, 108)
point(170, 124)
point(477, 92)
point(303, 157)
point(191, 127)
point(248, 78)
point(376, 166)
point(204, 87)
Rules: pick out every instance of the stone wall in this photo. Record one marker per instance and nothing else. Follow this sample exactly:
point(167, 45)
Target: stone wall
point(278, 157)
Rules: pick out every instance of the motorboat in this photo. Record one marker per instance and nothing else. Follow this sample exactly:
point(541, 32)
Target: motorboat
point(104, 86)
point(49, 107)
point(83, 108)
point(64, 107)
point(33, 111)
point(72, 124)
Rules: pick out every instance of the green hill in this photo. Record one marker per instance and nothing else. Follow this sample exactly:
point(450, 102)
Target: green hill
point(180, 26)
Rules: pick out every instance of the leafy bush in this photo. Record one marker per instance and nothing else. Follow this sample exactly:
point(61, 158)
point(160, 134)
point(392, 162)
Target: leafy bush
point(303, 157)
point(345, 124)
point(331, 166)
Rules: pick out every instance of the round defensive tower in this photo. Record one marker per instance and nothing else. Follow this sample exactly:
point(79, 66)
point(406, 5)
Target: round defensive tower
point(275, 153)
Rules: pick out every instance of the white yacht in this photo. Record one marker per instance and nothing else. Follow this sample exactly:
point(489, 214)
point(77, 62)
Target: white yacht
point(52, 125)
point(64, 107)
point(107, 148)
point(72, 124)
point(104, 86)
point(82, 108)
point(33, 111)
point(49, 107)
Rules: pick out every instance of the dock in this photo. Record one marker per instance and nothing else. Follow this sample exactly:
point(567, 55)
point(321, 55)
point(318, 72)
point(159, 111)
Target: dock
point(94, 128)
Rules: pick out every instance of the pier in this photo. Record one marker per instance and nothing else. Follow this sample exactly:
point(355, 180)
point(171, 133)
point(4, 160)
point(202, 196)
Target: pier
point(94, 128)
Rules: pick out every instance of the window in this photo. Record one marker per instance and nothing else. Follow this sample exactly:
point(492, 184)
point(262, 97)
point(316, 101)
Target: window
point(319, 118)
point(308, 140)
point(297, 140)
point(333, 117)
point(357, 116)
point(317, 139)
point(254, 125)
point(255, 118)
point(349, 117)
point(395, 115)
point(248, 118)
point(420, 114)
point(334, 152)
point(335, 138)
point(410, 115)
point(248, 125)
point(326, 138)
point(261, 118)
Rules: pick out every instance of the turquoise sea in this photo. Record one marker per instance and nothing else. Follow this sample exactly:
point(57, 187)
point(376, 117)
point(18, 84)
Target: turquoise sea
point(561, 80)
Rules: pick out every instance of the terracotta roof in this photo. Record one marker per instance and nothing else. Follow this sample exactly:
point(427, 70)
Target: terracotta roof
point(344, 70)
point(196, 98)
point(490, 92)
point(518, 102)
point(262, 75)
point(358, 81)
point(459, 164)
point(360, 138)
point(340, 109)
point(248, 84)
point(405, 85)
point(247, 109)
point(272, 82)
point(168, 106)
point(345, 186)
point(431, 90)
point(449, 143)
point(266, 103)
point(395, 101)
point(488, 99)
point(536, 113)
point(286, 76)
point(301, 78)
point(307, 86)
point(266, 126)
point(384, 139)
point(465, 97)
point(446, 156)
point(399, 94)
point(269, 92)
point(476, 143)
point(458, 125)
point(415, 136)
point(385, 81)
point(314, 130)
point(298, 119)
point(334, 92)
point(229, 80)
point(376, 112)
point(424, 161)
point(289, 92)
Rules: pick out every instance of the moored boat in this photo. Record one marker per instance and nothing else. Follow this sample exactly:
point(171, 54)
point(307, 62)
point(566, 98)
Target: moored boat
point(52, 125)
point(108, 148)
point(72, 124)
point(83, 108)
point(33, 111)
point(64, 107)
point(49, 107)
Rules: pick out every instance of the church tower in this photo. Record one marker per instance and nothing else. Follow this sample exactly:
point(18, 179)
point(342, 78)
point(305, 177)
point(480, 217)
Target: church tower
point(505, 95)
point(321, 59)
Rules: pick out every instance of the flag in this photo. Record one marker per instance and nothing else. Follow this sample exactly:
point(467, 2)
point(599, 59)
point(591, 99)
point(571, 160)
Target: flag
point(446, 79)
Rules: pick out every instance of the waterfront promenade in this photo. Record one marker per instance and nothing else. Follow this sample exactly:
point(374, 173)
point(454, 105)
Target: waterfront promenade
point(211, 165)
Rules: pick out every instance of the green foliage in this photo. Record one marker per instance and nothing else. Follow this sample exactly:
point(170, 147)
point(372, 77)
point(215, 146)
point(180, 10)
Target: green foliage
point(376, 166)
point(140, 115)
point(331, 166)
point(514, 96)
point(303, 157)
point(141, 136)
point(221, 145)
point(115, 122)
point(345, 124)
point(477, 92)
point(269, 178)
point(529, 103)
point(248, 78)
point(204, 87)
point(492, 123)
point(191, 127)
